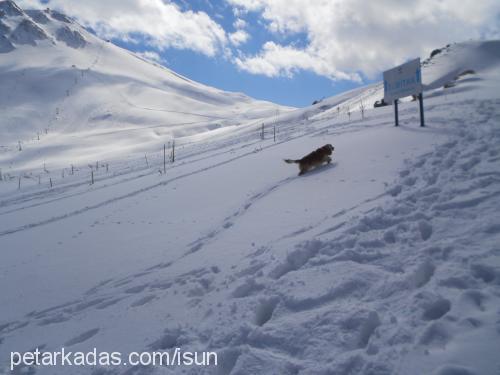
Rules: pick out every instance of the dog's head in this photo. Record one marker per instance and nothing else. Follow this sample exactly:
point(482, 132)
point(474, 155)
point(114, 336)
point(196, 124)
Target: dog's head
point(329, 148)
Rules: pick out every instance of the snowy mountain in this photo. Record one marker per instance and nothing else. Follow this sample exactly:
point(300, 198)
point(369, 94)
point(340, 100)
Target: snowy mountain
point(386, 261)
point(83, 93)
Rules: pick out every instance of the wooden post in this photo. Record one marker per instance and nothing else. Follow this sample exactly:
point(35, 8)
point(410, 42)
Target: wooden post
point(50, 179)
point(173, 151)
point(274, 133)
point(72, 169)
point(92, 177)
point(164, 159)
point(146, 157)
point(396, 119)
point(19, 184)
point(421, 104)
point(262, 132)
point(107, 167)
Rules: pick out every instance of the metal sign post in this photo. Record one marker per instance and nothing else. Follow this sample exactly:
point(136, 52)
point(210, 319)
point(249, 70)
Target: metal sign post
point(401, 81)
point(421, 105)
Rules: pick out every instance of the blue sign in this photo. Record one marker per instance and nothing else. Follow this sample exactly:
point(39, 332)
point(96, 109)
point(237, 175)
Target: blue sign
point(403, 80)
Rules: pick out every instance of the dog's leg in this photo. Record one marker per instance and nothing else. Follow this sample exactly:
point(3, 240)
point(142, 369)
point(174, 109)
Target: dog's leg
point(303, 169)
point(328, 160)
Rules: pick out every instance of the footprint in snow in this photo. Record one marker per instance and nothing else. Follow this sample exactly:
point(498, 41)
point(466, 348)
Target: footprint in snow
point(82, 337)
point(136, 289)
point(425, 229)
point(143, 301)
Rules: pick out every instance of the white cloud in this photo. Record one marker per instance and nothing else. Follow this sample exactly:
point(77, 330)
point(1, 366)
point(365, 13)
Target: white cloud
point(239, 24)
point(152, 56)
point(239, 37)
point(344, 37)
point(162, 23)
point(248, 5)
point(275, 60)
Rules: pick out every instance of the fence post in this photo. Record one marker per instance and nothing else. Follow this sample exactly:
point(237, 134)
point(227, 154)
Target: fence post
point(92, 177)
point(164, 159)
point(173, 151)
point(396, 117)
point(19, 184)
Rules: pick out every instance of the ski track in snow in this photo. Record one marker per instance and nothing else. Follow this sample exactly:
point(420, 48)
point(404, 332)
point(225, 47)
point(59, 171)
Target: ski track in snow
point(387, 265)
point(57, 191)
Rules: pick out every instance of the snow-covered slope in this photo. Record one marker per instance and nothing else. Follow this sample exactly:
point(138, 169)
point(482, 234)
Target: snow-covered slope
point(385, 262)
point(65, 94)
point(458, 61)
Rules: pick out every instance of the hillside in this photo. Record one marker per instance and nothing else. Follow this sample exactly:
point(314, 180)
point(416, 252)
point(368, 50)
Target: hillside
point(83, 99)
point(386, 261)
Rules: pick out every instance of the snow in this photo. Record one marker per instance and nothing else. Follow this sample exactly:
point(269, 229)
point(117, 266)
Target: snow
point(386, 261)
point(81, 93)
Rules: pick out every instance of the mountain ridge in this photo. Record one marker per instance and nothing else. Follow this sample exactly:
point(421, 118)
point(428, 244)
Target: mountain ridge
point(59, 78)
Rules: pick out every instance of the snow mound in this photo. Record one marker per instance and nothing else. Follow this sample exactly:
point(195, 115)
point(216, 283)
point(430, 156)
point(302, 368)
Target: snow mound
point(458, 60)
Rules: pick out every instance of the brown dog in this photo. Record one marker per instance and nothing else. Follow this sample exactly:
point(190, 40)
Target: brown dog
point(314, 159)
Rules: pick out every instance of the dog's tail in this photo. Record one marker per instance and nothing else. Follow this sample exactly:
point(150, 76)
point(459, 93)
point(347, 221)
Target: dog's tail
point(289, 161)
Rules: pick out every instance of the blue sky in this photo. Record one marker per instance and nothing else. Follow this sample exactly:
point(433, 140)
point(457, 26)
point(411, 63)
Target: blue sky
point(289, 52)
point(297, 91)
